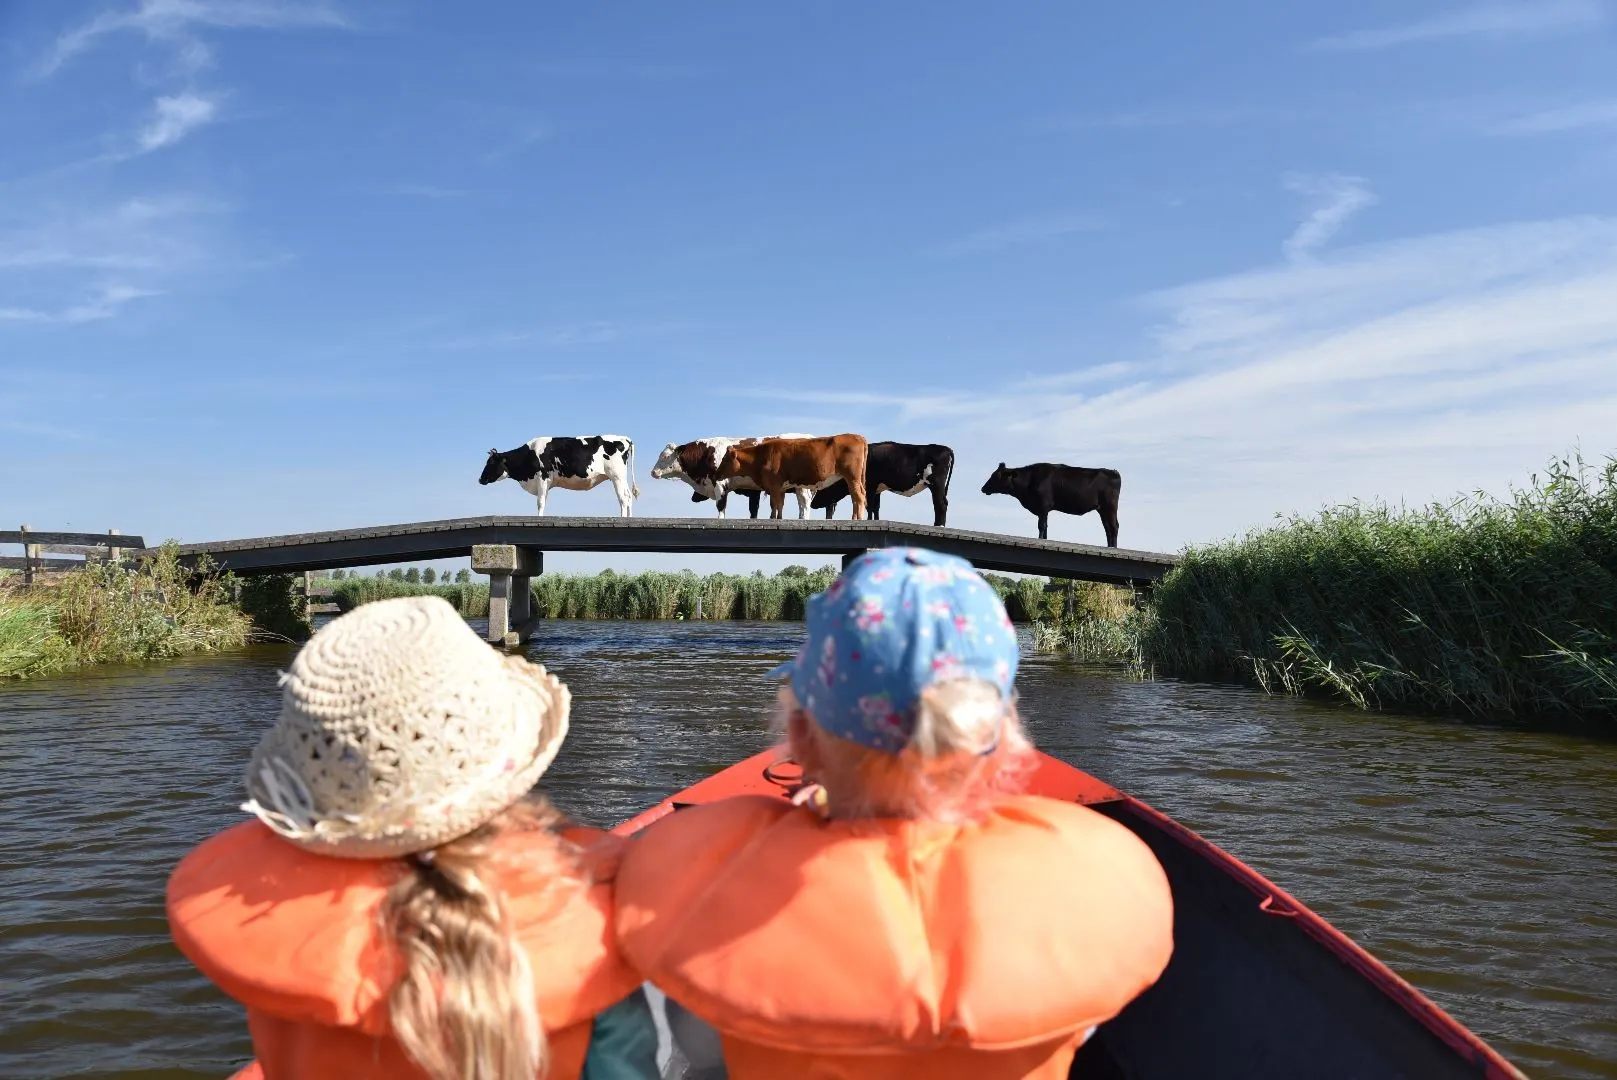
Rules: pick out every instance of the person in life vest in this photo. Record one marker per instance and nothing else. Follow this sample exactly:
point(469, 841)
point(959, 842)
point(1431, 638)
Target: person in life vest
point(397, 906)
point(913, 916)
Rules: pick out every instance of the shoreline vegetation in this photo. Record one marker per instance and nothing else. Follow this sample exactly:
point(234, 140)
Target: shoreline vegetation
point(1482, 608)
point(111, 614)
point(673, 596)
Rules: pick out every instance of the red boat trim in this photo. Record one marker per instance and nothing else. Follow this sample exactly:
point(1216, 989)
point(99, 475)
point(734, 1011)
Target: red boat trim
point(1276, 901)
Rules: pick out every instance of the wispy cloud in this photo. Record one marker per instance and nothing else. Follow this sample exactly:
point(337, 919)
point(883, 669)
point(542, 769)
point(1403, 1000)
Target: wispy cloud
point(1336, 198)
point(1411, 369)
point(103, 304)
point(1587, 114)
point(1499, 21)
point(171, 21)
point(74, 267)
point(1022, 232)
point(174, 118)
point(525, 135)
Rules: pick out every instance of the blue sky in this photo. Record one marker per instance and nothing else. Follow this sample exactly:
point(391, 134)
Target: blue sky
point(268, 266)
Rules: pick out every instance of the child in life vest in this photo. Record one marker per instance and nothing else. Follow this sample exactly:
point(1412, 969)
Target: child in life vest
point(920, 919)
point(397, 906)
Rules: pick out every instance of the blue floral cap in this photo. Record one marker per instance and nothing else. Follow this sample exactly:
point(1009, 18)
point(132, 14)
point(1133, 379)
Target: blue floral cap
point(895, 622)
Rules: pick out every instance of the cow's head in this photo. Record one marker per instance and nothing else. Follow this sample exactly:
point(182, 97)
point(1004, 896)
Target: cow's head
point(999, 483)
point(493, 469)
point(667, 467)
point(730, 466)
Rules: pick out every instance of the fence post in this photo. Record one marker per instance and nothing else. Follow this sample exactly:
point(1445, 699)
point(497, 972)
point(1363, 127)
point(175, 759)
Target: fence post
point(30, 552)
point(114, 553)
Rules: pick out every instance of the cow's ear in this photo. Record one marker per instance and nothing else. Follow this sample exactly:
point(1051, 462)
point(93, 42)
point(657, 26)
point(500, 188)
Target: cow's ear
point(1002, 464)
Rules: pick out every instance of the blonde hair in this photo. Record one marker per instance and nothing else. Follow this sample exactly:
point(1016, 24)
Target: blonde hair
point(463, 1008)
point(968, 748)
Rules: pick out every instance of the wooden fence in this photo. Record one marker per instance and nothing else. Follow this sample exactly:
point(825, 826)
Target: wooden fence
point(37, 547)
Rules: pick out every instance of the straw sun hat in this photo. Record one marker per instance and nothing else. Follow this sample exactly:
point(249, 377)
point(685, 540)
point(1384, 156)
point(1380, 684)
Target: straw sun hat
point(401, 730)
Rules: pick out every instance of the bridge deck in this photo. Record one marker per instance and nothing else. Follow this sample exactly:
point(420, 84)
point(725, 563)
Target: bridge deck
point(455, 537)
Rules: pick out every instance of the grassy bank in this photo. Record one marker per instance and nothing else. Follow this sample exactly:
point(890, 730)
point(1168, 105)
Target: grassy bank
point(1479, 607)
point(112, 615)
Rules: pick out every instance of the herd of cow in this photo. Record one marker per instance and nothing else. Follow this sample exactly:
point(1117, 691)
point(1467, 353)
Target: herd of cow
point(819, 471)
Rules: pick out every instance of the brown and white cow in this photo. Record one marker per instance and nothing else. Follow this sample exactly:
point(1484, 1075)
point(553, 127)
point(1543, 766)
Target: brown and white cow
point(697, 463)
point(776, 465)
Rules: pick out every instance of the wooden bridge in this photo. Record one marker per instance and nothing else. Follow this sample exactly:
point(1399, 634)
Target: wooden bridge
point(510, 550)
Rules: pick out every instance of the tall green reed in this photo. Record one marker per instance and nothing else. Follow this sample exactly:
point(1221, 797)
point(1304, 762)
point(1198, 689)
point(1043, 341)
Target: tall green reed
point(1481, 607)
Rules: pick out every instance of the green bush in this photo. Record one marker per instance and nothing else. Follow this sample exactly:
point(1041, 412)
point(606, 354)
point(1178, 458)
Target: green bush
point(110, 614)
point(275, 604)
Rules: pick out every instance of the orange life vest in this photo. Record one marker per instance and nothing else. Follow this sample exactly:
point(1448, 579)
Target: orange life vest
point(295, 938)
point(895, 949)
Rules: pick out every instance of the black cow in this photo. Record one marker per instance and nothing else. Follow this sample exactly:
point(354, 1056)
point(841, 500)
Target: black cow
point(1069, 489)
point(905, 468)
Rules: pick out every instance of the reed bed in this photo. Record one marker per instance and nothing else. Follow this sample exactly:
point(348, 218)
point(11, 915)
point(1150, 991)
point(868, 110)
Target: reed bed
point(109, 614)
point(1485, 608)
point(470, 599)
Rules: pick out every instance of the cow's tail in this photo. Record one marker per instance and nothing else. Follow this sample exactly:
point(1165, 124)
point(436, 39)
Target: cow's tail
point(634, 485)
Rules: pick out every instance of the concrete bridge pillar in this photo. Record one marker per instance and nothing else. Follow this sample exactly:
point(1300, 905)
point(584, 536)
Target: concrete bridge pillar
point(510, 571)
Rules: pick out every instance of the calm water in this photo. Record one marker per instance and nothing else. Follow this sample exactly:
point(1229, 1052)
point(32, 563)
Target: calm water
point(1480, 864)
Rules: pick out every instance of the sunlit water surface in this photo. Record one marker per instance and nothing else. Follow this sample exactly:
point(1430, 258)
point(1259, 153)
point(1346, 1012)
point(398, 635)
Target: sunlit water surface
point(1479, 863)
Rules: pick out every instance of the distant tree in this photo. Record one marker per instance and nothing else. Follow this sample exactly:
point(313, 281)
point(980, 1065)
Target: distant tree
point(413, 576)
point(795, 571)
point(338, 575)
point(381, 573)
point(462, 577)
point(395, 574)
point(428, 576)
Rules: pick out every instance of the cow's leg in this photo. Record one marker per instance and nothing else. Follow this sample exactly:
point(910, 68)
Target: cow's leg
point(777, 503)
point(620, 484)
point(830, 511)
point(723, 501)
point(544, 489)
point(1044, 525)
point(1108, 517)
point(754, 498)
point(802, 502)
point(940, 507)
point(873, 503)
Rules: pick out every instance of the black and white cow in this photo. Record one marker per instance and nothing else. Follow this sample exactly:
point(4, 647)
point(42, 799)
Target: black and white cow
point(903, 468)
point(1068, 489)
point(570, 463)
point(697, 463)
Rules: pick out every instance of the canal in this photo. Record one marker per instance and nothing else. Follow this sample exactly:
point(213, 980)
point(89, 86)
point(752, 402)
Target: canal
point(1480, 863)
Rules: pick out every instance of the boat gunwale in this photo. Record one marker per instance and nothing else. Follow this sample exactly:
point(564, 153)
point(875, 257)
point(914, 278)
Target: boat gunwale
point(1282, 904)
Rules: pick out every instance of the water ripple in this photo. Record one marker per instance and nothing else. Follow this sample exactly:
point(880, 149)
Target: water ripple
point(1476, 862)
